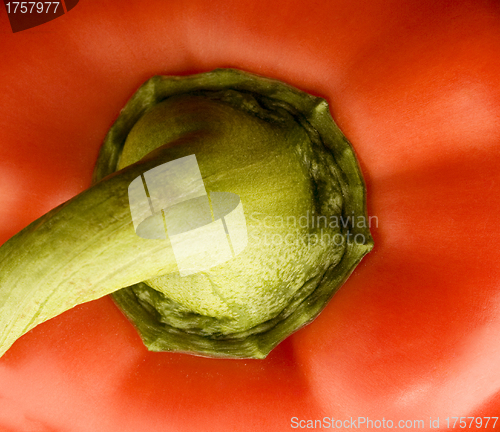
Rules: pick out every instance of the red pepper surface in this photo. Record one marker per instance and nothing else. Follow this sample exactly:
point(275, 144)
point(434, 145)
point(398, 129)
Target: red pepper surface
point(414, 332)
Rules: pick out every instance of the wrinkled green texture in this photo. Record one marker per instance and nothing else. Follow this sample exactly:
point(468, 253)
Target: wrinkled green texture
point(275, 147)
point(280, 151)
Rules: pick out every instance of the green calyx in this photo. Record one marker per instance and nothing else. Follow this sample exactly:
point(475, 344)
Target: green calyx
point(273, 149)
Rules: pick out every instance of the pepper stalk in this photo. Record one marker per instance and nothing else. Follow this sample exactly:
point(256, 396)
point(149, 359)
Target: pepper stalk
point(192, 151)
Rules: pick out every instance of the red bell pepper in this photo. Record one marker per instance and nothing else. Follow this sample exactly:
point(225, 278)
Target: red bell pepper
point(413, 334)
